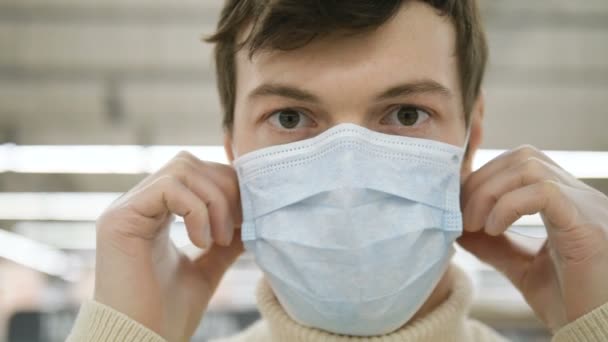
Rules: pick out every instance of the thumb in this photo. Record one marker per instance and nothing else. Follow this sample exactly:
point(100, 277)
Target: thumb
point(500, 252)
point(217, 259)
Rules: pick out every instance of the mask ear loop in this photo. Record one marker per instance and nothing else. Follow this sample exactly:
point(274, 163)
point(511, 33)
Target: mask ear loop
point(523, 232)
point(468, 134)
point(519, 231)
point(467, 137)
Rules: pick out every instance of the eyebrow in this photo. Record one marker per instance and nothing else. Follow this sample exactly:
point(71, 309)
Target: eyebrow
point(400, 90)
point(414, 88)
point(272, 89)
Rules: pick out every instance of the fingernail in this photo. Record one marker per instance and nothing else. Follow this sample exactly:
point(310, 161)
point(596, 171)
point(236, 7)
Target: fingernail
point(207, 239)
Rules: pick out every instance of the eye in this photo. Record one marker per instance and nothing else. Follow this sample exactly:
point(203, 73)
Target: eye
point(408, 116)
point(290, 119)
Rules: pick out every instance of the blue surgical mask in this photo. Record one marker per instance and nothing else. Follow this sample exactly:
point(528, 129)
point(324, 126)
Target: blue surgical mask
point(352, 228)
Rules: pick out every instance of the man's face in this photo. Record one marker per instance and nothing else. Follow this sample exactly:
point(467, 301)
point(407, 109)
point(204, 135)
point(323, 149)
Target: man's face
point(400, 79)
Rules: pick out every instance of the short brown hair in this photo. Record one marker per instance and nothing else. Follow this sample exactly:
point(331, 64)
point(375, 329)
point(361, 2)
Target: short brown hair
point(289, 24)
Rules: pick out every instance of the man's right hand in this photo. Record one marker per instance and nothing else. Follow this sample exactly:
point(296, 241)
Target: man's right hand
point(141, 273)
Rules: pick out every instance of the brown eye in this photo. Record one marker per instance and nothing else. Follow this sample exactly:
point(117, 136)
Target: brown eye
point(408, 116)
point(289, 118)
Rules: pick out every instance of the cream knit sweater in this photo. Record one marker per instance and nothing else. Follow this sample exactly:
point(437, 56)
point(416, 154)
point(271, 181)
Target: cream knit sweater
point(446, 323)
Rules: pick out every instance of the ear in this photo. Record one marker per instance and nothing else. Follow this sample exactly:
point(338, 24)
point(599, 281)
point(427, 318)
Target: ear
point(228, 145)
point(475, 135)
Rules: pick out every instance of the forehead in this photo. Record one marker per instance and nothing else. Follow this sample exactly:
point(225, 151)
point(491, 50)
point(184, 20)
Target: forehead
point(417, 43)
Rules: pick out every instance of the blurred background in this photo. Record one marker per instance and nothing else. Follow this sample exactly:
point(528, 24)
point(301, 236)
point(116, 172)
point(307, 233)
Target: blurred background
point(95, 94)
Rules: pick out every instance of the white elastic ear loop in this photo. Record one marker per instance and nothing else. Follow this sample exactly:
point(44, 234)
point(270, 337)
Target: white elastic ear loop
point(468, 134)
point(521, 231)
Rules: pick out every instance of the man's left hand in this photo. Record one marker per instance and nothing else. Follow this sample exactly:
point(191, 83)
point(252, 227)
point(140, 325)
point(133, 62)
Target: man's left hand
point(568, 276)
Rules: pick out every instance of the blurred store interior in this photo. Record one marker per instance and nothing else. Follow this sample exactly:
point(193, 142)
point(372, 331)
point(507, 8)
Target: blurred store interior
point(95, 94)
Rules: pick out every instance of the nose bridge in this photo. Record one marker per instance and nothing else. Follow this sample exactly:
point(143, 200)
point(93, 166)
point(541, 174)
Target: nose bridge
point(345, 97)
point(357, 116)
point(352, 118)
point(346, 92)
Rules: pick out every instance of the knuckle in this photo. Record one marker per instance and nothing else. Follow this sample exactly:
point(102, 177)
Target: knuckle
point(537, 170)
point(181, 167)
point(550, 187)
point(534, 166)
point(110, 219)
point(486, 195)
point(103, 221)
point(119, 226)
point(190, 158)
point(115, 209)
point(225, 169)
point(229, 177)
point(183, 154)
point(526, 151)
point(168, 181)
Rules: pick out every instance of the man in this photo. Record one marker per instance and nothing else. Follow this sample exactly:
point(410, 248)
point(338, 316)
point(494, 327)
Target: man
point(301, 80)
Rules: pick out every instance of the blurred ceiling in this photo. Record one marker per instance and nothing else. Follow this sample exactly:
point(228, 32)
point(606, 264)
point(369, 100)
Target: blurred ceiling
point(134, 72)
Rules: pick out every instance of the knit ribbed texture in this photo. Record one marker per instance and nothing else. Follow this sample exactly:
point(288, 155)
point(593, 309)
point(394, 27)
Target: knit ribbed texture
point(99, 323)
point(592, 327)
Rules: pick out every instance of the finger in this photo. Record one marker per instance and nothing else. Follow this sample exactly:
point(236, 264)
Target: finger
point(222, 210)
point(220, 215)
point(225, 177)
point(485, 196)
point(168, 194)
point(546, 197)
point(500, 252)
point(200, 235)
point(184, 157)
point(218, 190)
point(164, 170)
point(500, 163)
point(214, 263)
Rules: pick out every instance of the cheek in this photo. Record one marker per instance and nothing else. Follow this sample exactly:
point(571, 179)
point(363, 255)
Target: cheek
point(451, 132)
point(248, 137)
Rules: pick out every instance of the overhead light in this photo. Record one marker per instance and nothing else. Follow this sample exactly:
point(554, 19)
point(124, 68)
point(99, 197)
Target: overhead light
point(60, 206)
point(119, 159)
point(134, 159)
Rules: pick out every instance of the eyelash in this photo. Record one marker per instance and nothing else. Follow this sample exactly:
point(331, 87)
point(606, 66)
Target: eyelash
point(265, 118)
point(429, 112)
